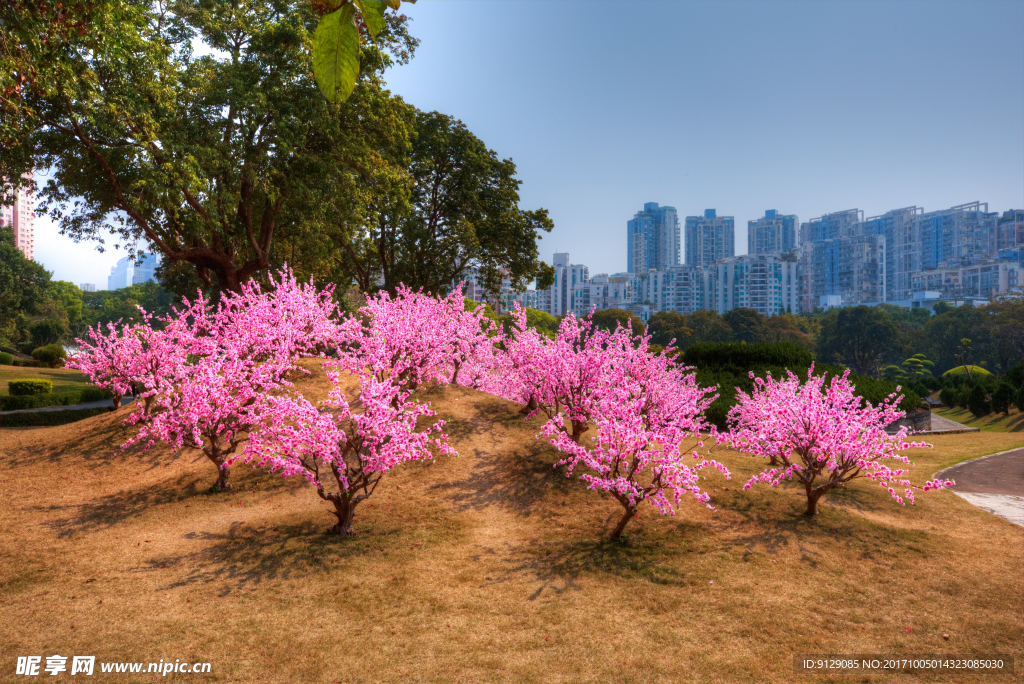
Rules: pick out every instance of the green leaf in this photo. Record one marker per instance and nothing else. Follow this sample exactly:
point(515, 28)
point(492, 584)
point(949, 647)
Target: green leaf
point(373, 15)
point(336, 54)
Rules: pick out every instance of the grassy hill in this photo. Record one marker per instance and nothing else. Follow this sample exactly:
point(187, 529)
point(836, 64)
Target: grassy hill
point(63, 379)
point(489, 567)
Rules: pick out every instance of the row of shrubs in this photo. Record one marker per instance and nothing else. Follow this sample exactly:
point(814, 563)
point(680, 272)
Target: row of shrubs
point(982, 394)
point(47, 418)
point(729, 364)
point(82, 396)
point(51, 356)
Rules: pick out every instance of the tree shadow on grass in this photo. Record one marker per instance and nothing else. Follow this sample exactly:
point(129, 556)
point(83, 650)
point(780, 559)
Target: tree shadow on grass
point(515, 480)
point(114, 509)
point(246, 556)
point(561, 566)
point(769, 530)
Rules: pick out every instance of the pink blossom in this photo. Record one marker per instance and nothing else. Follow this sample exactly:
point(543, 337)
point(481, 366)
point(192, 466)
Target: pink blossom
point(821, 436)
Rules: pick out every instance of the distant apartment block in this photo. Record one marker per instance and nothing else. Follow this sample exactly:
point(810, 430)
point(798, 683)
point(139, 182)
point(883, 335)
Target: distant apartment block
point(528, 299)
point(709, 238)
point(683, 289)
point(21, 217)
point(830, 226)
point(652, 239)
point(1010, 236)
point(127, 272)
point(763, 282)
point(505, 301)
point(981, 281)
point(558, 299)
point(603, 291)
point(87, 287)
point(850, 268)
point(773, 234)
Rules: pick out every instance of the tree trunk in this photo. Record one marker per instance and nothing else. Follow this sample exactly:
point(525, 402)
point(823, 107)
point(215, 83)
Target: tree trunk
point(344, 509)
point(530, 407)
point(617, 532)
point(812, 500)
point(117, 403)
point(222, 483)
point(578, 428)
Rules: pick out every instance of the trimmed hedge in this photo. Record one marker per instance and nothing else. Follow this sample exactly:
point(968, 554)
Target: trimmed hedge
point(16, 403)
point(48, 418)
point(24, 387)
point(6, 359)
point(26, 363)
point(959, 370)
point(729, 364)
point(52, 355)
point(745, 357)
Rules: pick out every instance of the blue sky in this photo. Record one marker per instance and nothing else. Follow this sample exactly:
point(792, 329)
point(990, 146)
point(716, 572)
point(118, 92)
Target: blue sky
point(807, 107)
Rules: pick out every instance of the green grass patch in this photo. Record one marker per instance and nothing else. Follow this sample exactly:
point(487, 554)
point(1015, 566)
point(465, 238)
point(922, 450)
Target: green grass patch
point(63, 379)
point(994, 422)
point(47, 418)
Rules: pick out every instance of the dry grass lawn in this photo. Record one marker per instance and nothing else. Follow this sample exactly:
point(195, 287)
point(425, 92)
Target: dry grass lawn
point(490, 567)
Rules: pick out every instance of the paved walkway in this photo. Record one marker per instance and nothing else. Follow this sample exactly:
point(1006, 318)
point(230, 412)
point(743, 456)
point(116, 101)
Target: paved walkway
point(941, 425)
point(106, 403)
point(994, 483)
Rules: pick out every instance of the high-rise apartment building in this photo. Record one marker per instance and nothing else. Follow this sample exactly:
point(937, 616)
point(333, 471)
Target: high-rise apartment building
point(126, 272)
point(87, 287)
point(1010, 236)
point(652, 239)
point(897, 227)
point(21, 216)
point(848, 271)
point(558, 299)
point(830, 226)
point(709, 238)
point(603, 291)
point(967, 234)
point(763, 282)
point(981, 281)
point(773, 234)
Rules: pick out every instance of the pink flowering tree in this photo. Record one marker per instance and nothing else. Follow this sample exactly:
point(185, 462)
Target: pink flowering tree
point(211, 407)
point(136, 360)
point(343, 450)
point(411, 338)
point(109, 358)
point(557, 377)
point(648, 420)
point(824, 436)
point(217, 362)
point(294, 319)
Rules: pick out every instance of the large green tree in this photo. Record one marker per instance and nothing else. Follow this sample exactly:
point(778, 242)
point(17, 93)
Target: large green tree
point(666, 326)
point(192, 128)
point(451, 205)
point(860, 337)
point(747, 324)
point(24, 287)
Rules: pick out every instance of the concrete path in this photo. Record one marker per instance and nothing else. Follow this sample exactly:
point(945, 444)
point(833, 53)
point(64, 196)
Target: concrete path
point(106, 403)
point(993, 483)
point(942, 425)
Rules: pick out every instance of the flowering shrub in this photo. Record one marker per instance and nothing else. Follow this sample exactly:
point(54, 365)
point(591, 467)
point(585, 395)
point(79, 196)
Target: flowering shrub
point(337, 446)
point(412, 338)
point(200, 376)
point(644, 411)
point(558, 377)
point(822, 436)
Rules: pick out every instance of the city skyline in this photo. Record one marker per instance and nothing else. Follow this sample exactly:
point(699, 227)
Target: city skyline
point(774, 139)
